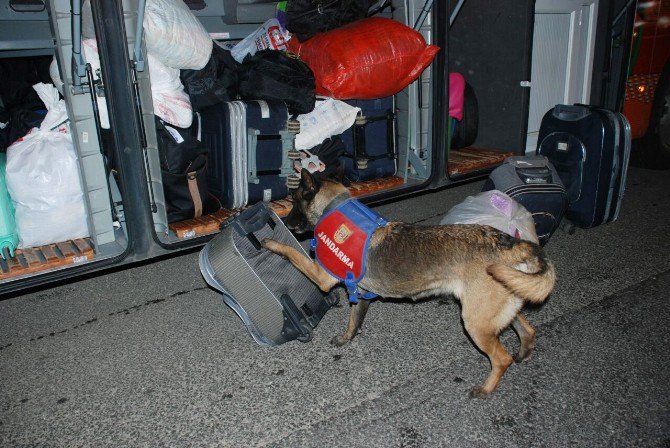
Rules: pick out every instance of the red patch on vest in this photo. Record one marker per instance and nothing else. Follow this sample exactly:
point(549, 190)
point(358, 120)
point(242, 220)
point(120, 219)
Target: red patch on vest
point(340, 245)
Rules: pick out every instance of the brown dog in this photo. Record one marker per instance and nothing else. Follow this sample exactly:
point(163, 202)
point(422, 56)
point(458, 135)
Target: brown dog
point(490, 272)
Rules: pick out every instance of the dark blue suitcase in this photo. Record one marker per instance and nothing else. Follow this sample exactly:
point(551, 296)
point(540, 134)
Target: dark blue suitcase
point(590, 148)
point(371, 142)
point(533, 182)
point(249, 144)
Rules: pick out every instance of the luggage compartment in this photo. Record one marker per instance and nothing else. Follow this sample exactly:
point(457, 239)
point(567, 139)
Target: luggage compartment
point(499, 78)
point(32, 33)
point(230, 21)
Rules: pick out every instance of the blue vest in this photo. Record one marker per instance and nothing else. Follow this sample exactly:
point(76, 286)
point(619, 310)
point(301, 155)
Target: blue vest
point(341, 240)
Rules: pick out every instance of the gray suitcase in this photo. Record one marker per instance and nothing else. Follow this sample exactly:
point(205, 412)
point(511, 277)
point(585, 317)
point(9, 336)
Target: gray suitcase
point(276, 302)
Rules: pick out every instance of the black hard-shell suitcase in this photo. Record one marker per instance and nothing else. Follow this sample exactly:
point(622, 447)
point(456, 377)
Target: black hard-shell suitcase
point(276, 302)
point(533, 182)
point(590, 148)
point(371, 142)
point(249, 144)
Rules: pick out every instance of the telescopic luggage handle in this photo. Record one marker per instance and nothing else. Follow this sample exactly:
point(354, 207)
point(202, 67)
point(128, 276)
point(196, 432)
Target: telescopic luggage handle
point(571, 113)
point(252, 220)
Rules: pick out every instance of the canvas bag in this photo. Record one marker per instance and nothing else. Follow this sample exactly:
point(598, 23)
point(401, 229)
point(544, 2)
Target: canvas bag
point(183, 160)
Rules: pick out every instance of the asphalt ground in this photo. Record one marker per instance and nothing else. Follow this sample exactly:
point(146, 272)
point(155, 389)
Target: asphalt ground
point(150, 356)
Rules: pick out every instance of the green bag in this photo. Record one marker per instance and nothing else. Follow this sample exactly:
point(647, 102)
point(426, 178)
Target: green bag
point(9, 238)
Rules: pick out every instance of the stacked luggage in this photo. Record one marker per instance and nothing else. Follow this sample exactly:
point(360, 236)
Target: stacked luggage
point(251, 95)
point(578, 176)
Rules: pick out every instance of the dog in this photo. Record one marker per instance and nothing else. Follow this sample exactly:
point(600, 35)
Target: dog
point(491, 273)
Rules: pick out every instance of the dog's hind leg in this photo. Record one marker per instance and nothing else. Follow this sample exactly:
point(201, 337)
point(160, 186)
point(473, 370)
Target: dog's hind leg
point(526, 335)
point(489, 343)
point(356, 316)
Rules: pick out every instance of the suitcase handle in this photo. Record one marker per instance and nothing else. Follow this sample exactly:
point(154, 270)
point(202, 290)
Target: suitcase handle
point(570, 113)
point(252, 220)
point(535, 175)
point(253, 136)
point(358, 137)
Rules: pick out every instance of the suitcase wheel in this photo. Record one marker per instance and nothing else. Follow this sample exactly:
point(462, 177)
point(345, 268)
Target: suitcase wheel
point(293, 126)
point(361, 120)
point(305, 337)
point(567, 226)
point(293, 182)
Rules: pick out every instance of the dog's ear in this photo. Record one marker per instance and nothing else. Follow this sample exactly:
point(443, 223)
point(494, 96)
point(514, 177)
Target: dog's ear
point(309, 184)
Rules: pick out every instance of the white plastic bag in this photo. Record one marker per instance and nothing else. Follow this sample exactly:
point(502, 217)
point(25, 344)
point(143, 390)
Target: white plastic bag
point(496, 209)
point(171, 102)
point(329, 117)
point(175, 36)
point(43, 179)
point(270, 35)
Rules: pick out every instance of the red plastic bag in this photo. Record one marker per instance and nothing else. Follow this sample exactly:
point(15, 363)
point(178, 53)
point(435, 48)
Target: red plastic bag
point(368, 59)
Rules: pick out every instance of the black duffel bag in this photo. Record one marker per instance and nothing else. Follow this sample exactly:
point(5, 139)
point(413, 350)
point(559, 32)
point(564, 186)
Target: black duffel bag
point(276, 75)
point(215, 83)
point(305, 18)
point(183, 160)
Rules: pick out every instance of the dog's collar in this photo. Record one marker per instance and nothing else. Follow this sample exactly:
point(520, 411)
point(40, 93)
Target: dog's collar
point(337, 200)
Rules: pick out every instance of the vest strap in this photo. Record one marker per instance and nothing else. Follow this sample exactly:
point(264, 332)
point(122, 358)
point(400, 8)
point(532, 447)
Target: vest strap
point(352, 288)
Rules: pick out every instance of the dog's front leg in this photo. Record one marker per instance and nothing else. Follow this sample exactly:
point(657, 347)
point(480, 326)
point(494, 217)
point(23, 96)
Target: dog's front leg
point(309, 268)
point(358, 312)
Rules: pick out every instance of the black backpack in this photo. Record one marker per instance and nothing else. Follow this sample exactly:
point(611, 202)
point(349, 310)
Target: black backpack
point(274, 75)
point(305, 18)
point(183, 160)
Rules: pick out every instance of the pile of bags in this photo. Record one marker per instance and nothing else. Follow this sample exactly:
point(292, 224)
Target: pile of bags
point(312, 57)
point(41, 195)
point(43, 179)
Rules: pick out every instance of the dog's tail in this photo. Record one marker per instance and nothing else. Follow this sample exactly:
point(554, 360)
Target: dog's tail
point(531, 278)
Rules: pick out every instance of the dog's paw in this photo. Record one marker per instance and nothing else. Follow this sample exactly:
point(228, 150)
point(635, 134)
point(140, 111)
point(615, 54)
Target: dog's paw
point(273, 246)
point(478, 392)
point(339, 340)
point(521, 357)
point(269, 244)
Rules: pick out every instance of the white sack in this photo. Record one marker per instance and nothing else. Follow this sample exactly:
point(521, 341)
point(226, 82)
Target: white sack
point(329, 117)
point(43, 179)
point(494, 208)
point(175, 36)
point(171, 102)
point(172, 33)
